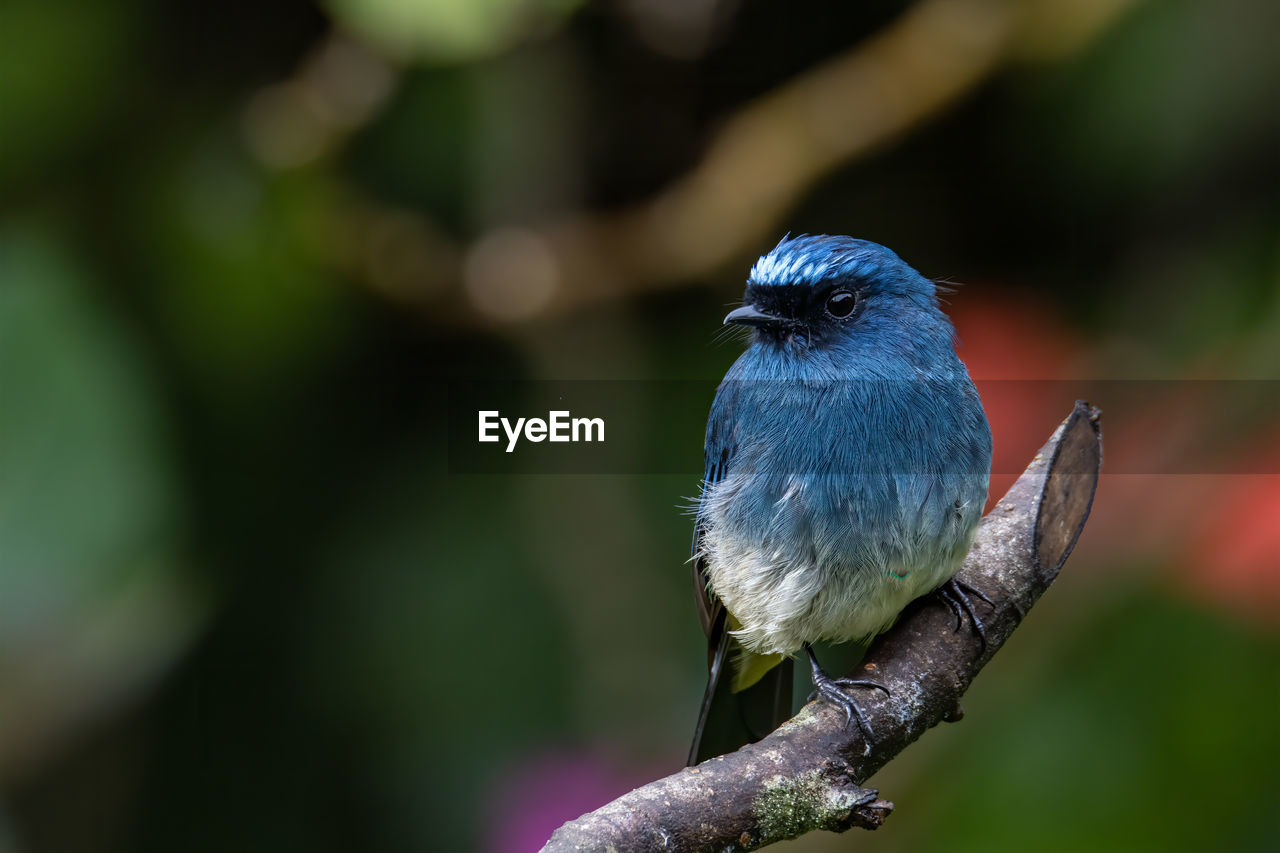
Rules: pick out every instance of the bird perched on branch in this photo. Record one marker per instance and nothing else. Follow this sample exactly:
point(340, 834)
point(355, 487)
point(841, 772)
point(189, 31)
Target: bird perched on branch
point(847, 459)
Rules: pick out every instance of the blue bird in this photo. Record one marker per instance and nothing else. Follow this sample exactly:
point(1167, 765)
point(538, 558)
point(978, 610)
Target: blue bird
point(847, 458)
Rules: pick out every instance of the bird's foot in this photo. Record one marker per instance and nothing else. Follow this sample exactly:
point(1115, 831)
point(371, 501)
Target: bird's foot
point(956, 594)
point(832, 691)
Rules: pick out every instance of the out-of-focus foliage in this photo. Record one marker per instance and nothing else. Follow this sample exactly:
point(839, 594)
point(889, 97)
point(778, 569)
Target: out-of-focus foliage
point(64, 70)
point(92, 602)
point(247, 603)
point(447, 29)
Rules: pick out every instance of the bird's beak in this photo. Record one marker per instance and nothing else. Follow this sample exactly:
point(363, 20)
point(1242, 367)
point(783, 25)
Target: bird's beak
point(750, 315)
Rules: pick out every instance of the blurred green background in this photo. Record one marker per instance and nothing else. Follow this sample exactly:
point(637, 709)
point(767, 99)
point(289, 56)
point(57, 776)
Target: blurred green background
point(244, 603)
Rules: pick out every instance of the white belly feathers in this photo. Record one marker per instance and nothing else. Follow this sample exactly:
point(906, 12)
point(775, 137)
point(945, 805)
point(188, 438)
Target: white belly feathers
point(789, 592)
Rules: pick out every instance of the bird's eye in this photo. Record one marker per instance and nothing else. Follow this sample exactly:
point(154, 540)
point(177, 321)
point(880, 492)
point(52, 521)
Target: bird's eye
point(840, 304)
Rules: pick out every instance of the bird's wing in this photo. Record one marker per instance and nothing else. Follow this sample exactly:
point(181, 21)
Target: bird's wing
point(718, 451)
point(728, 719)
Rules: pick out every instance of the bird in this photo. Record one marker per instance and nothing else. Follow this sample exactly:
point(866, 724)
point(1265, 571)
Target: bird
point(847, 459)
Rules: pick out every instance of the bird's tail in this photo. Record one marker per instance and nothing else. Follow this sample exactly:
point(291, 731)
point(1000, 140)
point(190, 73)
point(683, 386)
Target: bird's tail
point(743, 706)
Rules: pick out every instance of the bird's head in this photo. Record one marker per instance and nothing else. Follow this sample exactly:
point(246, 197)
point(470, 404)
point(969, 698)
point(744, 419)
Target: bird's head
point(820, 288)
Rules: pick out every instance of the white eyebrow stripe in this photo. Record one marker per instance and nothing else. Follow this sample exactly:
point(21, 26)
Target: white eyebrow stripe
point(774, 269)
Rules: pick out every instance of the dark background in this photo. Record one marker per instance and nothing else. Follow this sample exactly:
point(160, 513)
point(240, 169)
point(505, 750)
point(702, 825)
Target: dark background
point(245, 248)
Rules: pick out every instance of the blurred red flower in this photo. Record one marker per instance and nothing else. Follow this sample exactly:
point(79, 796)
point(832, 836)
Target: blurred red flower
point(1234, 556)
point(1158, 501)
point(1015, 350)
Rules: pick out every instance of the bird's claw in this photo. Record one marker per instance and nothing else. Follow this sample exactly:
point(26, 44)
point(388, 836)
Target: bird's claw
point(832, 691)
point(956, 593)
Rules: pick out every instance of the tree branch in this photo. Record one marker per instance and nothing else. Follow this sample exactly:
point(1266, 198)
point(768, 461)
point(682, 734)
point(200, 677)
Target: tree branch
point(765, 156)
point(807, 775)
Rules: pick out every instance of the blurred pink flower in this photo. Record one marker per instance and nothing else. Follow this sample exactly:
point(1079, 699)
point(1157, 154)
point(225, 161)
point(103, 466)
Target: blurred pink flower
point(536, 794)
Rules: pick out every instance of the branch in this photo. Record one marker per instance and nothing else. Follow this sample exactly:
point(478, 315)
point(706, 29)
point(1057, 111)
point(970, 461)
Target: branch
point(755, 169)
point(807, 774)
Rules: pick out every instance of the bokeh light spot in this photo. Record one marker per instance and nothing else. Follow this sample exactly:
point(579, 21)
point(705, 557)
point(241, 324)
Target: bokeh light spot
point(510, 274)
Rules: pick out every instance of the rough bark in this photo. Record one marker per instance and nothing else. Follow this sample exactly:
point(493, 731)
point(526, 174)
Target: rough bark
point(807, 775)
